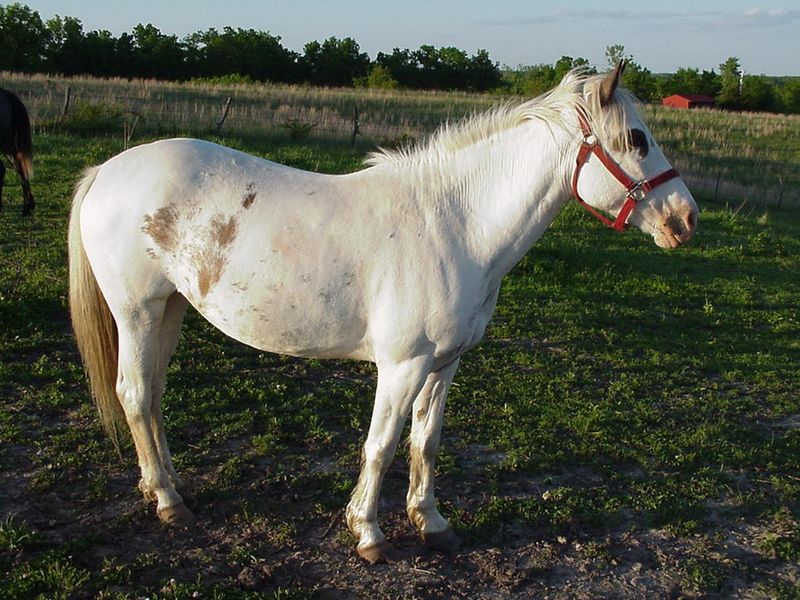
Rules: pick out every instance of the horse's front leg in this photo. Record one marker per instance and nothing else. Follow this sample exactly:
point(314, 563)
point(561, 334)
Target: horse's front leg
point(426, 427)
point(398, 385)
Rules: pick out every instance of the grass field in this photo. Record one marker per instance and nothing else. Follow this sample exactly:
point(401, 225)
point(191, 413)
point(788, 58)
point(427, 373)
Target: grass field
point(737, 157)
point(630, 427)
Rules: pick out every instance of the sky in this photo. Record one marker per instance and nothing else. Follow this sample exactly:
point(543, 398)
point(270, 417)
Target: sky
point(701, 34)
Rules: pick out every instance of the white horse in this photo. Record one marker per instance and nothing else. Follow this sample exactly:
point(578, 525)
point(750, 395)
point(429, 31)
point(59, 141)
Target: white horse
point(399, 263)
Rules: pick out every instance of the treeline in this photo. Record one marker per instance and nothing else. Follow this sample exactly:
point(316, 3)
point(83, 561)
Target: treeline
point(730, 88)
point(60, 45)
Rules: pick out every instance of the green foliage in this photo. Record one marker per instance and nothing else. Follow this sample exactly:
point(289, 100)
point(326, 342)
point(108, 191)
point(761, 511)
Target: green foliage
point(334, 62)
point(24, 36)
point(636, 78)
point(298, 130)
point(532, 81)
point(689, 81)
point(14, 536)
point(730, 73)
point(379, 78)
point(257, 55)
point(50, 576)
point(92, 119)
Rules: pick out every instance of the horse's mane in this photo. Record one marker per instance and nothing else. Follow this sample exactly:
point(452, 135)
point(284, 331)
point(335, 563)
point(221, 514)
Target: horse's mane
point(577, 89)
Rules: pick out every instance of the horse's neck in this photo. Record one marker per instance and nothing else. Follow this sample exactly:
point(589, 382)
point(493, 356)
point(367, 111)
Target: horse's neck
point(511, 188)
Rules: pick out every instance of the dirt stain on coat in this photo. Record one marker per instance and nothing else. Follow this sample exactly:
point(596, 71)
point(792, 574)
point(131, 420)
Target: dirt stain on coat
point(213, 256)
point(250, 196)
point(162, 227)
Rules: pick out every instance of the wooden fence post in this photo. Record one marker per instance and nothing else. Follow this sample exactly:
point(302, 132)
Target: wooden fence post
point(224, 114)
point(67, 98)
point(356, 128)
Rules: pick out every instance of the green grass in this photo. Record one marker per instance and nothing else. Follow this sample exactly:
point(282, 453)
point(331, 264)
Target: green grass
point(621, 390)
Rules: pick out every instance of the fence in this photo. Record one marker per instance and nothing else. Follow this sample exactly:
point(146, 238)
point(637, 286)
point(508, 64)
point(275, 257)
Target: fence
point(742, 158)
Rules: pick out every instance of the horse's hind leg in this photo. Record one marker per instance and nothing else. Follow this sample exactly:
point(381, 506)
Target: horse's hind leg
point(167, 340)
point(138, 363)
point(28, 202)
point(426, 427)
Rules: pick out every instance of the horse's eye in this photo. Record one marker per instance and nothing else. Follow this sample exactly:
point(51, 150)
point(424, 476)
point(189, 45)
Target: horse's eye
point(638, 140)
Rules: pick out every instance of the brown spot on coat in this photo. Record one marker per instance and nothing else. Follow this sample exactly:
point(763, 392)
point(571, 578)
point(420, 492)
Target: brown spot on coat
point(250, 196)
point(212, 258)
point(210, 272)
point(162, 227)
point(223, 232)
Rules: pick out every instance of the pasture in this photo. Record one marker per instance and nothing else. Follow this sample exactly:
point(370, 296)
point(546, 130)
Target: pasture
point(629, 426)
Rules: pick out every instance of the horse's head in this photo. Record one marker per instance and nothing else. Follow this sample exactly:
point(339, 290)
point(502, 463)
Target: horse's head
point(621, 171)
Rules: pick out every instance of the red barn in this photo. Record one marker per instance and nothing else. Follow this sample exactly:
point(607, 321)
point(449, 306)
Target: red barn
point(688, 101)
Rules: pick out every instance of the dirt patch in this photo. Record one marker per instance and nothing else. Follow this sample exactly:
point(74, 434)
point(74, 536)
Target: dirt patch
point(268, 533)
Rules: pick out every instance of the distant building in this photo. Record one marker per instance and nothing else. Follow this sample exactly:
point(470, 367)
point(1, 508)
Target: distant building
point(688, 101)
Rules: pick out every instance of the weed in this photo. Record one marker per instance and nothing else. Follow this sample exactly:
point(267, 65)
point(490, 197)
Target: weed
point(15, 535)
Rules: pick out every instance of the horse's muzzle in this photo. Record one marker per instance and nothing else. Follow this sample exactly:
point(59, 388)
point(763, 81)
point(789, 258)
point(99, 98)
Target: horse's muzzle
point(679, 225)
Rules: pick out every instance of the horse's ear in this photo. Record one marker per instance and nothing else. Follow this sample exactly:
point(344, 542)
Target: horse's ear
point(610, 83)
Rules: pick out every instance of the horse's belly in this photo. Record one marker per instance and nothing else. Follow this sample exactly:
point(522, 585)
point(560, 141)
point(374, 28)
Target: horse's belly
point(314, 323)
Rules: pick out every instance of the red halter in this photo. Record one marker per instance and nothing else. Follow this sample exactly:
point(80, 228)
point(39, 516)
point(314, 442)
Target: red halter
point(636, 190)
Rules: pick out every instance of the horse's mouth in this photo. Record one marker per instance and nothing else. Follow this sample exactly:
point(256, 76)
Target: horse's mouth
point(675, 230)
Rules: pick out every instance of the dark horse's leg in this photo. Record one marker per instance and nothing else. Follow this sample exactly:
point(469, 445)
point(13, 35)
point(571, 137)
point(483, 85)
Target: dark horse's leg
point(15, 142)
point(2, 179)
point(28, 202)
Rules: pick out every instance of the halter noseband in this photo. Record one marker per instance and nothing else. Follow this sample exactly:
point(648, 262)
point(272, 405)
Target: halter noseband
point(636, 190)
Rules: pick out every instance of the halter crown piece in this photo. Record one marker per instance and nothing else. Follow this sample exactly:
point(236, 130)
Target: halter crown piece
point(636, 191)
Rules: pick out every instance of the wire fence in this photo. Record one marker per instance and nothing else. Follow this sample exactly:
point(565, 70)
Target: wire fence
point(736, 158)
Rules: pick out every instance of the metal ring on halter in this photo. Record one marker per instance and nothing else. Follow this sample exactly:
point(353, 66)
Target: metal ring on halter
point(637, 192)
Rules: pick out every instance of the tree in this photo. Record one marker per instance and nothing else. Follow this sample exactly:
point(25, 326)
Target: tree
point(757, 94)
point(24, 36)
point(566, 63)
point(402, 66)
point(788, 96)
point(157, 55)
point(614, 54)
point(482, 73)
point(334, 62)
point(256, 54)
point(636, 78)
point(65, 51)
point(730, 73)
point(379, 78)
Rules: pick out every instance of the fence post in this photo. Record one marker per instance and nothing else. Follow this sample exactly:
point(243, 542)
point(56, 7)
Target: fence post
point(67, 98)
point(356, 128)
point(224, 114)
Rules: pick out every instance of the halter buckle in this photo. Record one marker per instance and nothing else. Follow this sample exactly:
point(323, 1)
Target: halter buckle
point(637, 191)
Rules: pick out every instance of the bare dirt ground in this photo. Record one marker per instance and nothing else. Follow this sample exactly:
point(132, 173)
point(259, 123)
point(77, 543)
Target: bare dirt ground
point(286, 543)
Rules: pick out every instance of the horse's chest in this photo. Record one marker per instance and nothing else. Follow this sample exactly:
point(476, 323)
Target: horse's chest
point(470, 327)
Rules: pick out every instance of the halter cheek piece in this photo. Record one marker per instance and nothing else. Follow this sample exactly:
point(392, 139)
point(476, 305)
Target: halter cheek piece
point(636, 190)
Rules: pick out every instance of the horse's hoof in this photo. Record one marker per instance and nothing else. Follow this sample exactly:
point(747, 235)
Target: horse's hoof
point(188, 499)
point(176, 516)
point(382, 552)
point(443, 541)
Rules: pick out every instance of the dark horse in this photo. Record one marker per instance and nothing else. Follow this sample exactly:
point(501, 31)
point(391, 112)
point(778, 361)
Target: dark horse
point(15, 143)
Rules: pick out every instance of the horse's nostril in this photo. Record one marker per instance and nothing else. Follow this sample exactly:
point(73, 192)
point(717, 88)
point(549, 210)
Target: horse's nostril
point(676, 224)
point(691, 221)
